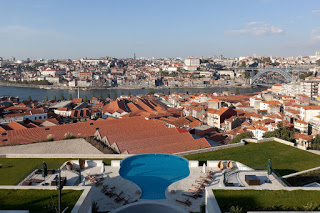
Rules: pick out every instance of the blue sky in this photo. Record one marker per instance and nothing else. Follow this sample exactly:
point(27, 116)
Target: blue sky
point(159, 28)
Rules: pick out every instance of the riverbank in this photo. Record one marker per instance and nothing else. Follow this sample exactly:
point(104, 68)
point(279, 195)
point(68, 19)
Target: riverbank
point(59, 87)
point(40, 94)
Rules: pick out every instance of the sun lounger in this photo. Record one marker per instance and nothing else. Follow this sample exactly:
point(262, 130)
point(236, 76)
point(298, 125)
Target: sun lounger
point(195, 195)
point(199, 186)
point(185, 202)
point(204, 181)
point(195, 190)
point(209, 178)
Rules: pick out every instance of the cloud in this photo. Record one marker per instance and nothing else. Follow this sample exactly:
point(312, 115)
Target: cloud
point(315, 34)
point(316, 11)
point(257, 29)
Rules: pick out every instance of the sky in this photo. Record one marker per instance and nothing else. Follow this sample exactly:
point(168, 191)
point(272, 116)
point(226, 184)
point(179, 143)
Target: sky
point(59, 29)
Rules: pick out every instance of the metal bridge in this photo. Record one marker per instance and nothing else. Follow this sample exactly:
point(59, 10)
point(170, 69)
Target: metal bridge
point(256, 79)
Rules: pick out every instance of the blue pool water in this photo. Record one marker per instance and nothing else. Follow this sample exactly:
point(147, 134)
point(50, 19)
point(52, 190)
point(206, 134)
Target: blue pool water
point(153, 173)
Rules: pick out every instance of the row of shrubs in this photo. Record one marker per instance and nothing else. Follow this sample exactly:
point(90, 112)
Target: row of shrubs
point(308, 207)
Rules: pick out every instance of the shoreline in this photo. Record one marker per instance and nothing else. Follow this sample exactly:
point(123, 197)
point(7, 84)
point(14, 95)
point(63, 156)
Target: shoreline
point(49, 87)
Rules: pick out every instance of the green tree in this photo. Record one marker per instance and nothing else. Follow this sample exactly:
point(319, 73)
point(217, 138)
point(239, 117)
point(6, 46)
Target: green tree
point(169, 92)
point(129, 93)
point(315, 143)
point(122, 93)
point(62, 97)
point(237, 91)
point(100, 95)
point(93, 94)
point(70, 97)
point(29, 98)
point(108, 94)
point(85, 98)
point(54, 98)
point(46, 99)
point(241, 136)
point(152, 91)
point(243, 64)
point(115, 95)
point(281, 132)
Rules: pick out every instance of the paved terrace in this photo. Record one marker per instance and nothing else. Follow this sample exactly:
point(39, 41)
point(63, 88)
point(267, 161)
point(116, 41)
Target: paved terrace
point(128, 190)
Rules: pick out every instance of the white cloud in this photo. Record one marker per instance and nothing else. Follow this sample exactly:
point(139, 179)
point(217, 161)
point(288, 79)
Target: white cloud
point(257, 29)
point(315, 34)
point(316, 11)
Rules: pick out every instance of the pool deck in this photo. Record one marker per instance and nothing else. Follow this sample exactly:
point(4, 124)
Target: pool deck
point(130, 189)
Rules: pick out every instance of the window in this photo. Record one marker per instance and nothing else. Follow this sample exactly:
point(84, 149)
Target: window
point(40, 117)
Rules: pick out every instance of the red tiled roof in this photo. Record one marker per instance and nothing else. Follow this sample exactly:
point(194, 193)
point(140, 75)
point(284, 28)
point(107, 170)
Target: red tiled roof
point(14, 125)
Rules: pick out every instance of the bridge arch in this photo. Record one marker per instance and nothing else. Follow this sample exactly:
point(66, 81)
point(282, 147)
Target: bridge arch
point(282, 72)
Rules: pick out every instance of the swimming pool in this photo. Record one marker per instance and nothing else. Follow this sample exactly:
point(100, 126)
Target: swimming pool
point(153, 173)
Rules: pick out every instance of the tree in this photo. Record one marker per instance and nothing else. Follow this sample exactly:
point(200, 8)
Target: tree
point(54, 98)
point(315, 143)
point(93, 94)
point(29, 98)
point(100, 95)
point(70, 97)
point(62, 97)
point(152, 91)
point(243, 64)
point(169, 92)
point(108, 94)
point(122, 93)
point(282, 132)
point(46, 99)
point(237, 91)
point(129, 93)
point(85, 98)
point(241, 136)
point(115, 95)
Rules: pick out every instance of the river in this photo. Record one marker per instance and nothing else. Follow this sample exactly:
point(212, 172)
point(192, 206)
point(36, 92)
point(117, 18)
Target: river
point(40, 94)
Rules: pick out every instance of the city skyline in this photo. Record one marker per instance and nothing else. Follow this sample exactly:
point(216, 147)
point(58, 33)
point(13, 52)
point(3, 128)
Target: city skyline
point(158, 29)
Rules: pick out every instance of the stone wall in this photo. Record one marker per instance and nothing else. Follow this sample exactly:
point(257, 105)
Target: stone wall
point(214, 148)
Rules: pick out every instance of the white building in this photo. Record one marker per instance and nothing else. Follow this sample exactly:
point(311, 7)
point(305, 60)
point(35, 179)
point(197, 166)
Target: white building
point(192, 62)
point(307, 113)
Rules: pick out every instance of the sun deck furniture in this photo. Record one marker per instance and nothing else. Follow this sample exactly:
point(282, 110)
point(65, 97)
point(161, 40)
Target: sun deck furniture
point(193, 195)
point(229, 164)
point(33, 180)
point(69, 165)
point(26, 183)
point(252, 180)
point(115, 163)
point(193, 163)
point(82, 163)
point(220, 165)
point(63, 181)
point(186, 202)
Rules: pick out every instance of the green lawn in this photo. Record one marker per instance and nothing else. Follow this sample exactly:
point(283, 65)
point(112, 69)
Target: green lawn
point(13, 169)
point(37, 200)
point(285, 159)
point(268, 199)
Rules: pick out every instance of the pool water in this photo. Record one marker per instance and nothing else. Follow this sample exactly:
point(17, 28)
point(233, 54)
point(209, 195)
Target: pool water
point(153, 173)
